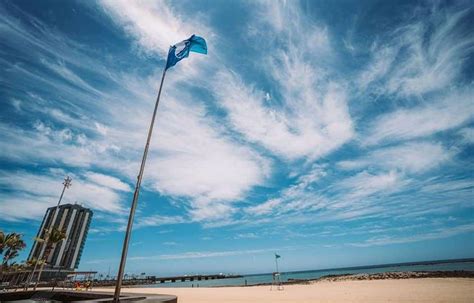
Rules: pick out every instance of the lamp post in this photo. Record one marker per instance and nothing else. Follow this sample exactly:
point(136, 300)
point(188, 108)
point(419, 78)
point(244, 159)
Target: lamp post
point(66, 184)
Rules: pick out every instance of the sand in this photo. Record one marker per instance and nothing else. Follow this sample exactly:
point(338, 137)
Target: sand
point(409, 290)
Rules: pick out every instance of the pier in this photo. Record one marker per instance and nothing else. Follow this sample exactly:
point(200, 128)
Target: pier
point(159, 280)
point(192, 278)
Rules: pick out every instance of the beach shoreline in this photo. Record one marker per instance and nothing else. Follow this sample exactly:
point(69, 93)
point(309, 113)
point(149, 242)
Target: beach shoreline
point(372, 276)
point(332, 277)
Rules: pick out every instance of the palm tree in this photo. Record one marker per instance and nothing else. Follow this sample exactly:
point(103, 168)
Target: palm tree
point(2, 241)
point(53, 237)
point(32, 262)
point(10, 245)
point(2, 247)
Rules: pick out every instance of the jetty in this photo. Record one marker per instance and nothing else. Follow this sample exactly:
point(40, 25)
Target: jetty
point(148, 280)
point(192, 278)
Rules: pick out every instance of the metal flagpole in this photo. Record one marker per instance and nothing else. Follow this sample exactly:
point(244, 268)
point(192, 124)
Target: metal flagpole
point(276, 275)
point(276, 263)
point(126, 241)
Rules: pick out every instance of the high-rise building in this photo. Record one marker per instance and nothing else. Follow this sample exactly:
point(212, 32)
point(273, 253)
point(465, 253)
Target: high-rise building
point(75, 221)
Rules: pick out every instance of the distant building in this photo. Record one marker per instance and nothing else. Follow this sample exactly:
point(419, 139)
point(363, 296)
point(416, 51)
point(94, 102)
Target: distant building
point(75, 221)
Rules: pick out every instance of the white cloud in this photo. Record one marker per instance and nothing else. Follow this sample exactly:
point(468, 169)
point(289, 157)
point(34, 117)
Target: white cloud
point(217, 212)
point(200, 161)
point(197, 161)
point(365, 184)
point(51, 145)
point(444, 186)
point(304, 128)
point(96, 197)
point(32, 193)
point(158, 220)
point(170, 243)
point(267, 97)
point(264, 208)
point(300, 196)
point(444, 113)
point(107, 181)
point(16, 104)
point(204, 254)
point(194, 159)
point(246, 236)
point(440, 233)
point(23, 206)
point(286, 18)
point(36, 36)
point(190, 158)
point(381, 63)
point(101, 129)
point(191, 155)
point(309, 117)
point(430, 53)
point(411, 157)
point(70, 76)
point(467, 135)
point(154, 24)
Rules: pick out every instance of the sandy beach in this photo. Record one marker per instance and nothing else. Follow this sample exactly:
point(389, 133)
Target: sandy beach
point(408, 290)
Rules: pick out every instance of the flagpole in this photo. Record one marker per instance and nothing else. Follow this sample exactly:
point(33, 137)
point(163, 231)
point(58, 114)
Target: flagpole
point(126, 241)
point(276, 263)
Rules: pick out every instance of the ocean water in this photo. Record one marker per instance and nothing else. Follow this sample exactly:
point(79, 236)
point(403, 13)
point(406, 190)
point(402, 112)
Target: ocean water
point(314, 274)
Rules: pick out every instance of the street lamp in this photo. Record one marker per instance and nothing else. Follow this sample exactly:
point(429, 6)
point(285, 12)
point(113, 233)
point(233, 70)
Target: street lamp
point(66, 184)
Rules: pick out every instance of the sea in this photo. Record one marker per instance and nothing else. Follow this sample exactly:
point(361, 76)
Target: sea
point(441, 265)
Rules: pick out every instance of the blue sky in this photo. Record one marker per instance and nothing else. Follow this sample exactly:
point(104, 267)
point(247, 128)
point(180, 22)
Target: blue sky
point(335, 133)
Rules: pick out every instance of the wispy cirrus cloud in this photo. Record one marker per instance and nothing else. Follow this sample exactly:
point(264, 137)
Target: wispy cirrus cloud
point(33, 193)
point(413, 157)
point(308, 116)
point(153, 24)
point(365, 184)
point(264, 208)
point(301, 196)
point(294, 131)
point(195, 161)
point(443, 113)
point(207, 254)
point(193, 154)
point(158, 220)
point(439, 233)
point(356, 197)
point(200, 254)
point(424, 55)
point(449, 186)
point(108, 181)
point(467, 135)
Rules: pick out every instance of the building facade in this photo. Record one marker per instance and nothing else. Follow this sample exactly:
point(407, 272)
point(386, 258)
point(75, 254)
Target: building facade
point(75, 221)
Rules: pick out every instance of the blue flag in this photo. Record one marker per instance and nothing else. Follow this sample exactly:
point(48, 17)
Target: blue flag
point(277, 256)
point(181, 50)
